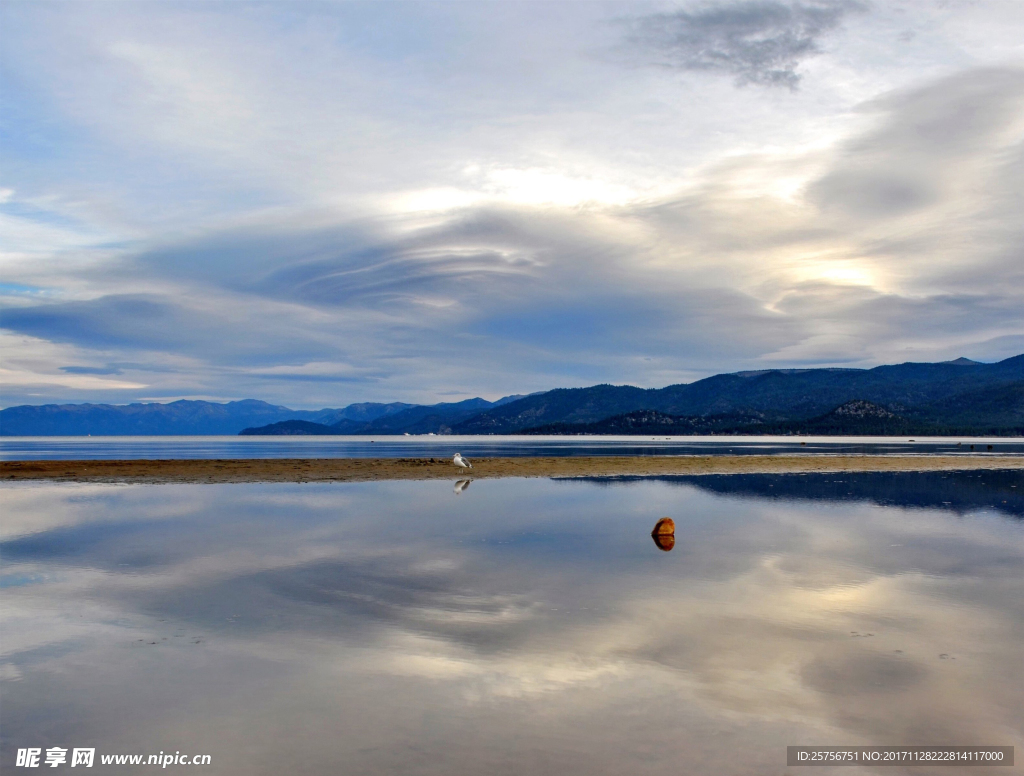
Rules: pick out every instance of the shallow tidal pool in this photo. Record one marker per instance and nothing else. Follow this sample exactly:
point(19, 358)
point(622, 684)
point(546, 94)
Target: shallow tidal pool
point(514, 626)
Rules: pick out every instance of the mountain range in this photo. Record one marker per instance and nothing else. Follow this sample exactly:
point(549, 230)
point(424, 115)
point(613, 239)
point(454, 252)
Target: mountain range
point(200, 418)
point(953, 397)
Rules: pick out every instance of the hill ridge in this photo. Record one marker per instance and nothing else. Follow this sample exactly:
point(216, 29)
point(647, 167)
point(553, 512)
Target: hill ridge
point(959, 394)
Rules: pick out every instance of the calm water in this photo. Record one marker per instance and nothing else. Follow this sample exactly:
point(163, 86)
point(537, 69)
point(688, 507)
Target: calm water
point(39, 448)
point(517, 626)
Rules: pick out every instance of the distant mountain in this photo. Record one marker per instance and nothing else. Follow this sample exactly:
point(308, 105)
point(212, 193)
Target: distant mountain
point(654, 423)
point(415, 419)
point(291, 428)
point(986, 409)
point(960, 397)
point(853, 418)
point(187, 418)
point(931, 393)
point(422, 420)
point(177, 417)
point(858, 418)
point(562, 405)
point(360, 413)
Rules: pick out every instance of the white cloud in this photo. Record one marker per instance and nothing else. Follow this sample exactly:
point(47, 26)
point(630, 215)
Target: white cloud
point(472, 196)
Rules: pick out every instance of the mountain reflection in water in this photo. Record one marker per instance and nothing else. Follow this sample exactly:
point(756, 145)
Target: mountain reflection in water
point(520, 626)
point(956, 491)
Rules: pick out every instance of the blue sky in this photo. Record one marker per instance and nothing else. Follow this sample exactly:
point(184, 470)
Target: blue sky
point(322, 203)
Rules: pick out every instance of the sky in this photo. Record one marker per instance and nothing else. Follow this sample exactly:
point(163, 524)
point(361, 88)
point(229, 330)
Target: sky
point(316, 204)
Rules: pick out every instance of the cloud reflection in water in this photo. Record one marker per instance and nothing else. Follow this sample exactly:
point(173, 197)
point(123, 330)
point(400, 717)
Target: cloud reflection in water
point(527, 625)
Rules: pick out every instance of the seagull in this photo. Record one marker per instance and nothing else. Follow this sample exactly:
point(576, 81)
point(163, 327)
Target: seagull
point(461, 462)
point(460, 486)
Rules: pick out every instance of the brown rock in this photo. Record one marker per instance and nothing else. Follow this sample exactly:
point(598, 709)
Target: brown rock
point(663, 527)
point(664, 534)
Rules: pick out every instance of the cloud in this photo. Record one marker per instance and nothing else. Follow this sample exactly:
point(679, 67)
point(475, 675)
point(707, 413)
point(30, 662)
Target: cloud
point(217, 328)
point(476, 198)
point(124, 320)
point(735, 271)
point(759, 42)
point(90, 370)
point(928, 147)
point(520, 608)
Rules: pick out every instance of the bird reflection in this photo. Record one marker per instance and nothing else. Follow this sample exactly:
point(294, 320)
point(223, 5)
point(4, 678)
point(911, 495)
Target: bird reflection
point(461, 485)
point(664, 534)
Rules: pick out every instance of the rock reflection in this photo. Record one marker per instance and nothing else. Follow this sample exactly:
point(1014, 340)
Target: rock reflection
point(664, 541)
point(664, 534)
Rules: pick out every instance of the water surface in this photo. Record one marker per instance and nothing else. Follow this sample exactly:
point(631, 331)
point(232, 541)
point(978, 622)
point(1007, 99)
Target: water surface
point(210, 447)
point(515, 626)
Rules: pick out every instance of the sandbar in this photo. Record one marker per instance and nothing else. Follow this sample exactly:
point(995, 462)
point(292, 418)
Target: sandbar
point(370, 469)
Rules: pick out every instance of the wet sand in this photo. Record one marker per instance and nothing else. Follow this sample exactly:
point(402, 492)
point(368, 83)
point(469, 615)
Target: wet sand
point(369, 469)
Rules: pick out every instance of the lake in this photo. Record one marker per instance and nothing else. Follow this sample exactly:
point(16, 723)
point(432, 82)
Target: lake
point(514, 626)
point(211, 447)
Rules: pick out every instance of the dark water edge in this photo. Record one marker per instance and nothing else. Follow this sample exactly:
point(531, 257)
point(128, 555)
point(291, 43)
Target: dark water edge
point(206, 447)
point(960, 492)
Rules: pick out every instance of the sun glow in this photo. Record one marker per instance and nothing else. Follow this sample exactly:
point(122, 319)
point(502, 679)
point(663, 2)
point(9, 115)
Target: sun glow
point(838, 272)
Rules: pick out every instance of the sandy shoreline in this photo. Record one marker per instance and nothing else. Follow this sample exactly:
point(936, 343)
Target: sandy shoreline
point(370, 469)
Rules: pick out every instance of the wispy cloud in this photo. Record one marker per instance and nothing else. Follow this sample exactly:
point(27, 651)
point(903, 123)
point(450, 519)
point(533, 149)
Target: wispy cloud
point(91, 370)
point(479, 200)
point(759, 42)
